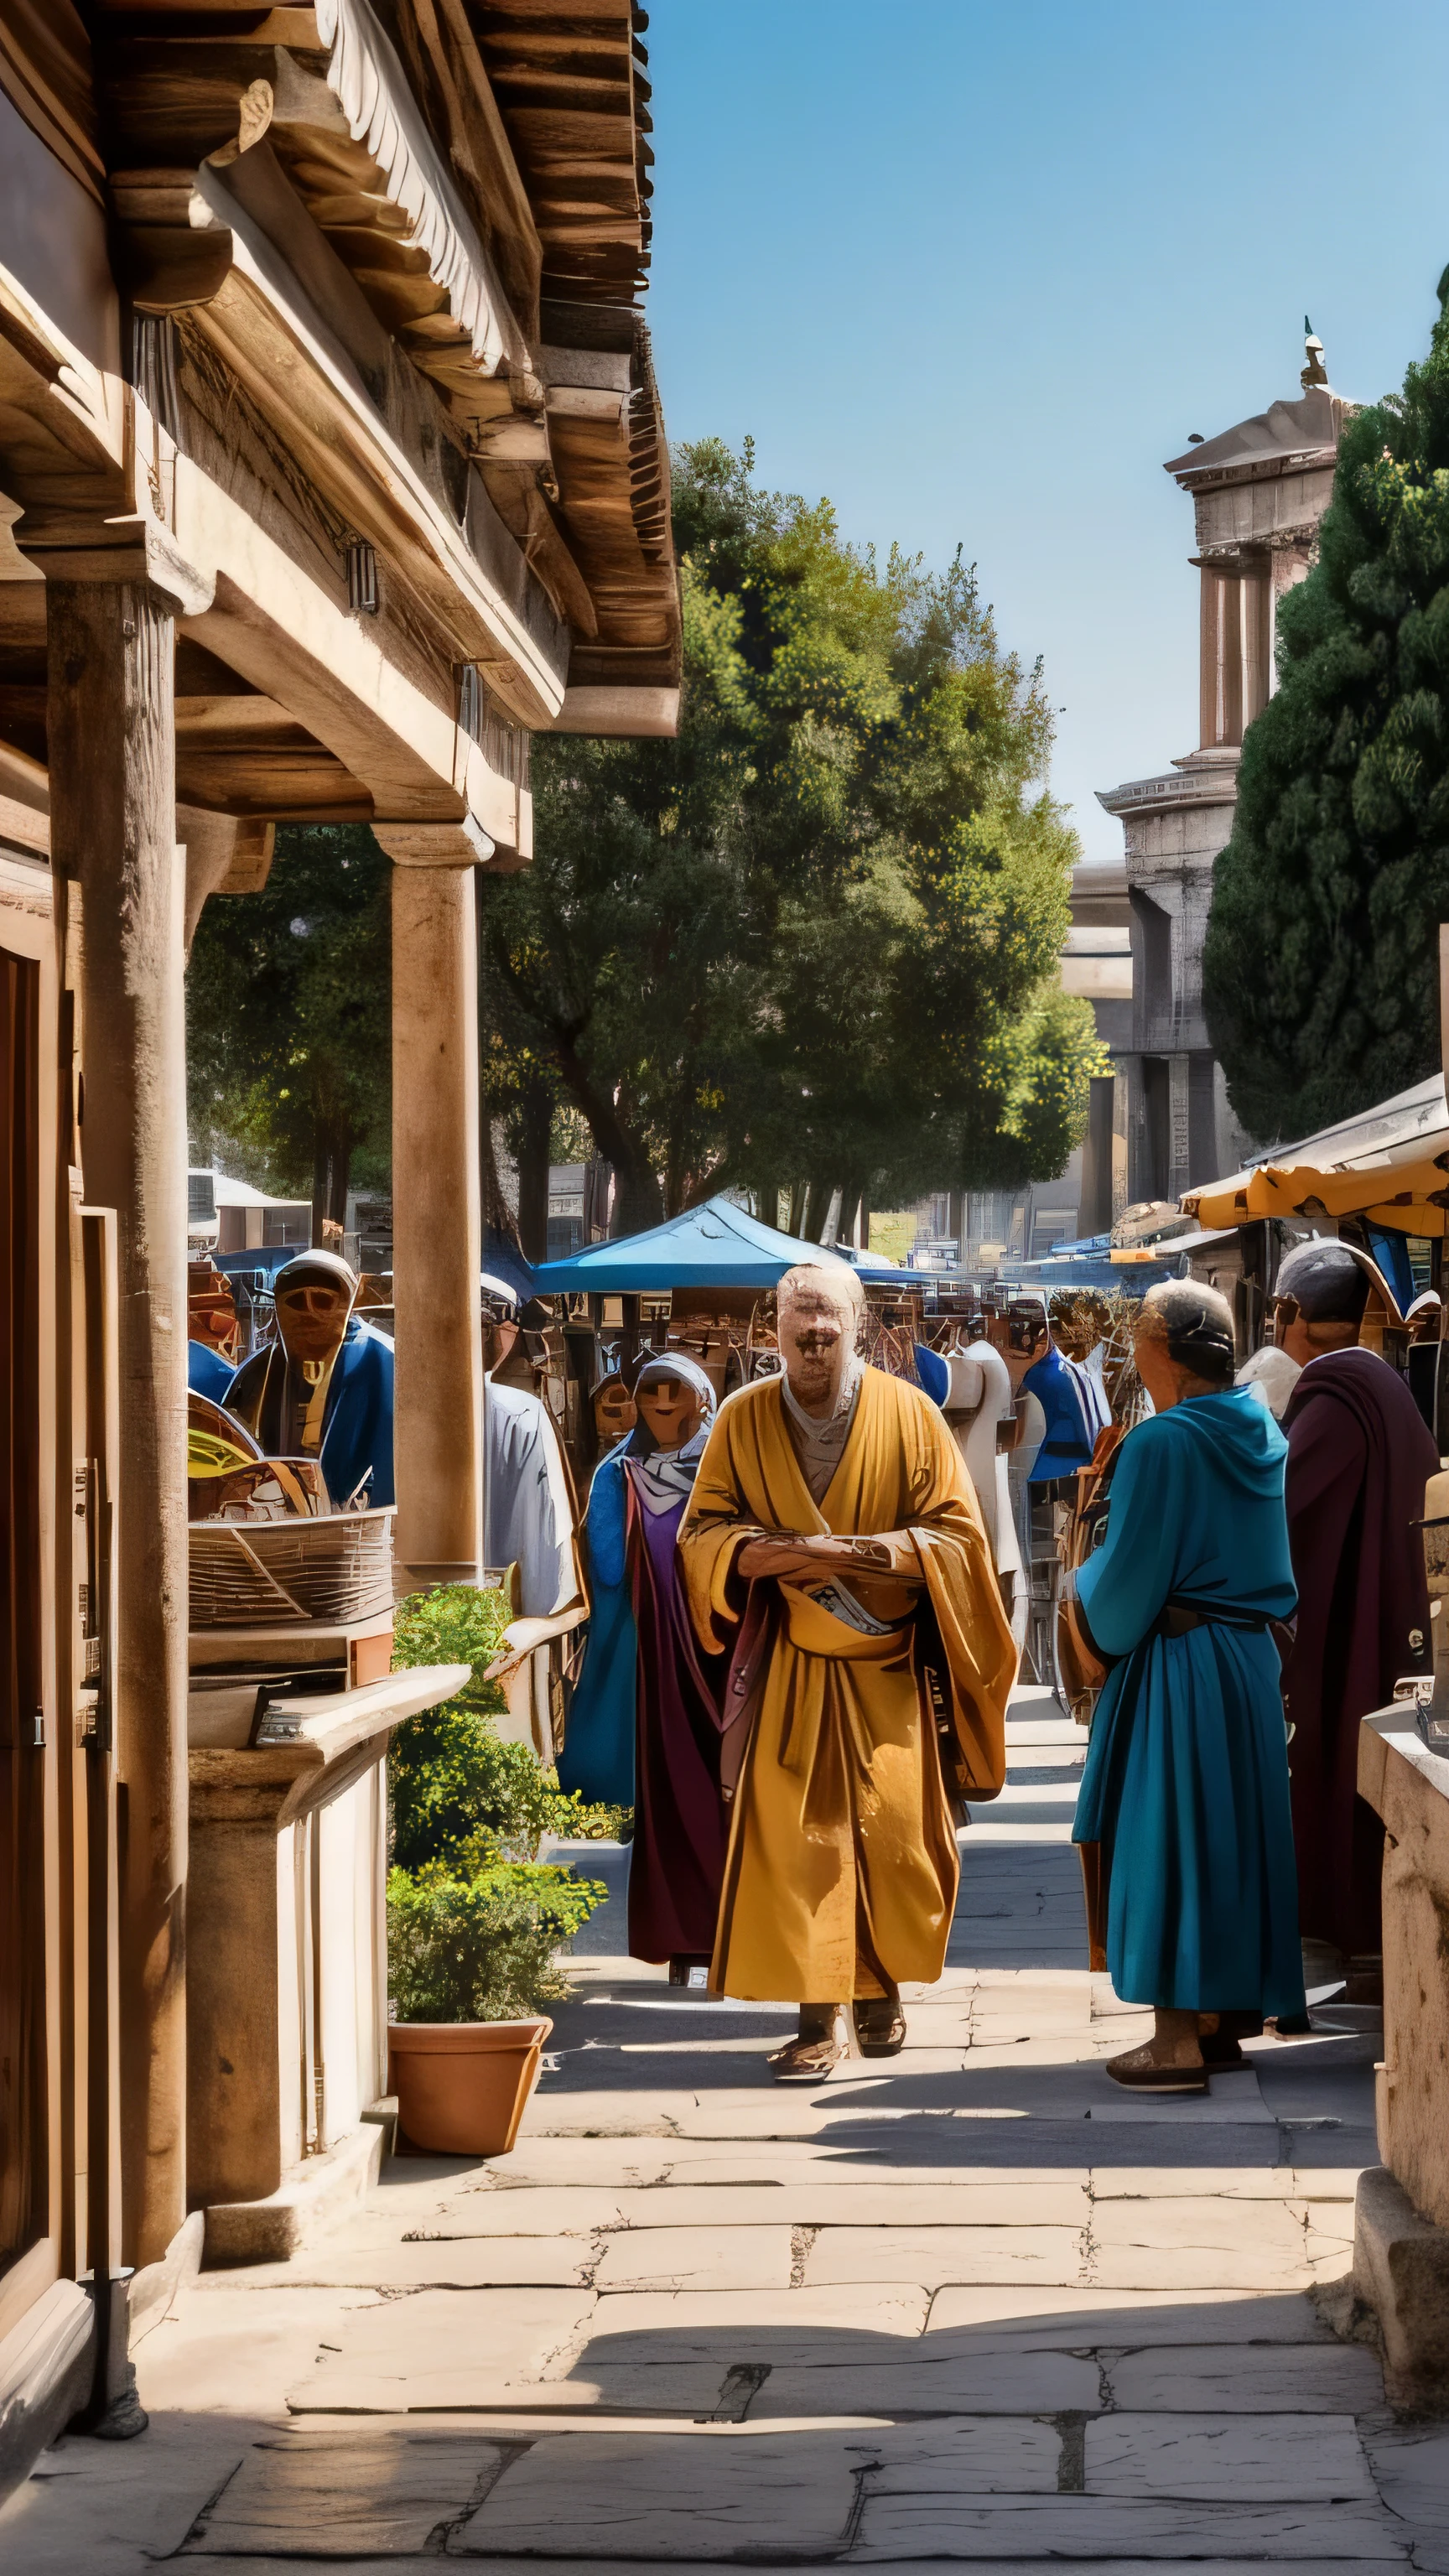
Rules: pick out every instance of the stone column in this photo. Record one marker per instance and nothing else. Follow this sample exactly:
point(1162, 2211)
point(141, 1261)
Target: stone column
point(1094, 1215)
point(1221, 665)
point(1257, 644)
point(111, 723)
point(436, 1230)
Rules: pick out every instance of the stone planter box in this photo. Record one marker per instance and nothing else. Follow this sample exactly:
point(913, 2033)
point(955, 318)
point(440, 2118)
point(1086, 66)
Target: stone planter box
point(287, 1941)
point(1401, 2221)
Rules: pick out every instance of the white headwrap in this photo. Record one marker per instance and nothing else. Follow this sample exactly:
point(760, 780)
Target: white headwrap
point(663, 1478)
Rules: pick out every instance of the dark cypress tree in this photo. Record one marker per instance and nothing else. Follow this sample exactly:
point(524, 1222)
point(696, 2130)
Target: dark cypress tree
point(1321, 964)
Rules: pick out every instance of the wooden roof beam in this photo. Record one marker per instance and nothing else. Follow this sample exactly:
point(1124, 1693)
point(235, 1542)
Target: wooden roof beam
point(480, 149)
point(344, 102)
point(288, 320)
point(371, 90)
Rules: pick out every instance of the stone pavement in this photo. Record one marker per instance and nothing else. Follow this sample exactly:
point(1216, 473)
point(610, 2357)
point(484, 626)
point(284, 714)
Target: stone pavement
point(972, 2304)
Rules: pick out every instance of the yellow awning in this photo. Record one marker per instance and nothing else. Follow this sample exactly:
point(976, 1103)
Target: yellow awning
point(1400, 1195)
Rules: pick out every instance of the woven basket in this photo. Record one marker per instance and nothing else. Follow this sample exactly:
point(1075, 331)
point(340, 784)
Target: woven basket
point(261, 1574)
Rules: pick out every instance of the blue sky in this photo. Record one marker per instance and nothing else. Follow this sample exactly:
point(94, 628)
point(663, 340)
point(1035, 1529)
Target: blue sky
point(974, 270)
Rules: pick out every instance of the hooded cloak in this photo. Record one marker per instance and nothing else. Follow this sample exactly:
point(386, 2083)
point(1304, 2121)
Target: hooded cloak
point(1185, 1785)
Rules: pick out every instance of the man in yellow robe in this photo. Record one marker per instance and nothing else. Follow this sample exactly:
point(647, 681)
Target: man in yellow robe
point(834, 1543)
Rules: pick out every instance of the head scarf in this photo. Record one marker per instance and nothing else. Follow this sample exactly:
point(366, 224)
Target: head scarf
point(665, 1477)
point(316, 1270)
point(1208, 1340)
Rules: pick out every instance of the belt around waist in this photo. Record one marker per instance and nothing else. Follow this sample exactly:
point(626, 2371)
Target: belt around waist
point(1179, 1618)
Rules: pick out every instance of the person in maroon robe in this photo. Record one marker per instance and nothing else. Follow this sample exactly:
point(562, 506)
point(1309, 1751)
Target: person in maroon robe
point(681, 1828)
point(1359, 1456)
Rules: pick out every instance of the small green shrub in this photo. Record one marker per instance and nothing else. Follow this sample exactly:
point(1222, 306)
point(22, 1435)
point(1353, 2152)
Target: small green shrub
point(481, 1948)
point(474, 1917)
point(448, 1773)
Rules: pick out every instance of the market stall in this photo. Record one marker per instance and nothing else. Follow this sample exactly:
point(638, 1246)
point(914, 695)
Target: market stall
point(1379, 1180)
point(701, 1283)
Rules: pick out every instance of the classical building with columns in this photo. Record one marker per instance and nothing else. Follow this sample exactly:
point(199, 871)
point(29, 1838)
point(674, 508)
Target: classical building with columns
point(332, 468)
point(1258, 492)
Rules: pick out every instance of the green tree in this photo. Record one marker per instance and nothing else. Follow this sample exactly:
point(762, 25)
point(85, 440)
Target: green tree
point(288, 1004)
point(813, 941)
point(1321, 966)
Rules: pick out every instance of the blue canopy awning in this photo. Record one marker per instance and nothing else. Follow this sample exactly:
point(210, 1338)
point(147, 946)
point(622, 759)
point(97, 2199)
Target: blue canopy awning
point(263, 1260)
point(714, 1246)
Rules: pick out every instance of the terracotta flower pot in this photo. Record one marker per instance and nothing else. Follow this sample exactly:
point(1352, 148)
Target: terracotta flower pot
point(461, 2086)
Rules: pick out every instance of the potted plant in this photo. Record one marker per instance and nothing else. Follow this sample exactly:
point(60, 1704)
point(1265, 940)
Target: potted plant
point(470, 1958)
point(474, 1916)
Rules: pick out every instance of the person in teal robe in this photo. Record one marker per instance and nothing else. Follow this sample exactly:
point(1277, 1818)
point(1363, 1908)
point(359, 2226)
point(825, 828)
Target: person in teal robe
point(1185, 1787)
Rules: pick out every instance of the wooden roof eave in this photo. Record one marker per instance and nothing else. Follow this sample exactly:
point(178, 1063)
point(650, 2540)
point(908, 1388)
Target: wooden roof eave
point(612, 460)
point(569, 80)
point(480, 149)
point(427, 226)
point(473, 576)
point(369, 85)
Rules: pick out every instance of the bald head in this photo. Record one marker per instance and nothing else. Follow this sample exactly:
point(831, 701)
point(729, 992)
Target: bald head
point(1194, 1325)
point(818, 1310)
point(828, 1283)
point(1319, 1300)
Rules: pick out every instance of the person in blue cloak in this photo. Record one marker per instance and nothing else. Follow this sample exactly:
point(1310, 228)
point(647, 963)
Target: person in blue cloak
point(1184, 1794)
point(1074, 1409)
point(597, 1759)
point(324, 1388)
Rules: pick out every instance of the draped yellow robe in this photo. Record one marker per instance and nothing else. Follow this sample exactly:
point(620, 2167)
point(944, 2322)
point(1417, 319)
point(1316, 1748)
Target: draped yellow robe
point(843, 1867)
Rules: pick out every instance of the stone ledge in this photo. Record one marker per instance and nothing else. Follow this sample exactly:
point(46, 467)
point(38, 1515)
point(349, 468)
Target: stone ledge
point(384, 2112)
point(306, 2203)
point(46, 2367)
point(1401, 2272)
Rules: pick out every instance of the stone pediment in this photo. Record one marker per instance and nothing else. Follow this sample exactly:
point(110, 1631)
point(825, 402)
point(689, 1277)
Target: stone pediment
point(1284, 438)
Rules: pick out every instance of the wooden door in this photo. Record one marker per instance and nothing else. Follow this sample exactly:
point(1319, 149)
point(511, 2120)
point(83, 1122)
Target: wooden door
point(23, 2086)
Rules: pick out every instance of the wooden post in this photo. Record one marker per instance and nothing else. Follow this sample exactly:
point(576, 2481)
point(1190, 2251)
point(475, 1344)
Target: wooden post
point(1436, 1248)
point(112, 757)
point(437, 1239)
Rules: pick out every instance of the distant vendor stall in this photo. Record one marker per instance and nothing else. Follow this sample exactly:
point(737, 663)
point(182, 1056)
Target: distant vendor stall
point(713, 1245)
point(1379, 1180)
point(701, 1283)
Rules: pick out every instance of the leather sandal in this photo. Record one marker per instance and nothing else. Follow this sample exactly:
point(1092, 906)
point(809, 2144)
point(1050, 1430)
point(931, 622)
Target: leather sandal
point(816, 2050)
point(1158, 2079)
point(880, 2026)
point(806, 2061)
